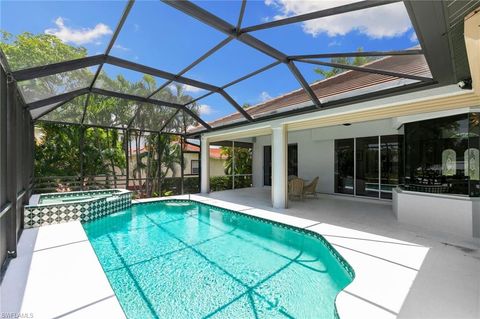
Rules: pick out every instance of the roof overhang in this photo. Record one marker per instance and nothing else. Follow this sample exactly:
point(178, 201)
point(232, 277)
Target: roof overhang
point(430, 100)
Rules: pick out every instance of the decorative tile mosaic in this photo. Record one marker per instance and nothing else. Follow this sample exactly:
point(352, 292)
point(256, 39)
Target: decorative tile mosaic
point(83, 210)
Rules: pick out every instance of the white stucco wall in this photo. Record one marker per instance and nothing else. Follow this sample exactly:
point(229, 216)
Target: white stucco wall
point(440, 212)
point(316, 150)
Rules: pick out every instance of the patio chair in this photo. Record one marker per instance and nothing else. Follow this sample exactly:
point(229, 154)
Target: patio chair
point(310, 189)
point(295, 188)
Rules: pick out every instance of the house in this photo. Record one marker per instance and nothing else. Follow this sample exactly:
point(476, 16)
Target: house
point(418, 150)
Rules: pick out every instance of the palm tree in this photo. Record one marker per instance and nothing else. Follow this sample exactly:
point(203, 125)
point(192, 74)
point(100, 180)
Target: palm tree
point(357, 61)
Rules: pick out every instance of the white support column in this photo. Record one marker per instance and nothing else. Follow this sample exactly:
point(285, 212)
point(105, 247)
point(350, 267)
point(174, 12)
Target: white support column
point(279, 166)
point(472, 43)
point(205, 166)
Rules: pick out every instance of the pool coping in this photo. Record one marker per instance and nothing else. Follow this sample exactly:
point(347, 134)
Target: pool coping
point(342, 309)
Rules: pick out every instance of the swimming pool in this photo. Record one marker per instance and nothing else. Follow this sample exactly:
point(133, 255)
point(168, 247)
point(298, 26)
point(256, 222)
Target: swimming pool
point(183, 259)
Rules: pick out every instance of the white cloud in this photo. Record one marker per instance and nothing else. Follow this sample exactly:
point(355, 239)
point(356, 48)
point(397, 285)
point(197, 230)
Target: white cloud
point(413, 37)
point(136, 27)
point(204, 109)
point(384, 21)
point(186, 88)
point(121, 47)
point(334, 43)
point(264, 96)
point(78, 36)
point(192, 89)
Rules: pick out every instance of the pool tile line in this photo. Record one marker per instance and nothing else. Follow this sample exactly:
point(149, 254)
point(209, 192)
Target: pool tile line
point(252, 289)
point(252, 305)
point(135, 282)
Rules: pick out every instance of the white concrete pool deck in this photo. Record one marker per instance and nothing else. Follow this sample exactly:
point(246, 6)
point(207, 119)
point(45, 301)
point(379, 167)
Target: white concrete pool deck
point(401, 271)
point(57, 275)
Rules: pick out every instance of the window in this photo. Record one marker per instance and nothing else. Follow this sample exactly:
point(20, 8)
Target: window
point(442, 155)
point(292, 158)
point(390, 164)
point(194, 165)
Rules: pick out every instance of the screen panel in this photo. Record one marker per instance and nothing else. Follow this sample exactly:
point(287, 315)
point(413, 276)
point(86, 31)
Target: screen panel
point(109, 111)
point(51, 85)
point(70, 112)
point(229, 63)
point(224, 9)
point(157, 35)
point(215, 110)
point(181, 123)
point(38, 112)
point(45, 32)
point(152, 117)
point(385, 27)
point(257, 93)
point(178, 93)
point(121, 80)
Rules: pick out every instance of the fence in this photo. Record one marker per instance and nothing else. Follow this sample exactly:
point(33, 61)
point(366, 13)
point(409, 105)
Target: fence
point(140, 186)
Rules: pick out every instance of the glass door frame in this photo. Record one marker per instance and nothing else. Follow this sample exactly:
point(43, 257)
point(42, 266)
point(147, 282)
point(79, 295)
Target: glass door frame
point(379, 151)
point(264, 166)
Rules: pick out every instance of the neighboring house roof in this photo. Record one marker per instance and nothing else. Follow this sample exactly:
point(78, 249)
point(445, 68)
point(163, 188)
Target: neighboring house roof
point(191, 148)
point(215, 152)
point(346, 84)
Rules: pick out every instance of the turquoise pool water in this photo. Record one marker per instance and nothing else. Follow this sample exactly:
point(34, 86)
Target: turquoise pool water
point(181, 259)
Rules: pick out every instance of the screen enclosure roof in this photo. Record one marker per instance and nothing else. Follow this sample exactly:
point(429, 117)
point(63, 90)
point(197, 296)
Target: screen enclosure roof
point(194, 66)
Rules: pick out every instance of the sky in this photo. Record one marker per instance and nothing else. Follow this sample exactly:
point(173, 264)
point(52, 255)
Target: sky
point(157, 35)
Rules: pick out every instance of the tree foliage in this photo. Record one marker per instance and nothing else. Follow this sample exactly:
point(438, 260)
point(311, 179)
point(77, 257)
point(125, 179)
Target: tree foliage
point(357, 61)
point(238, 160)
point(58, 148)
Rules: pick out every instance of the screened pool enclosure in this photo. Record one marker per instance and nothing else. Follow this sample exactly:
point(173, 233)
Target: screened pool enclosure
point(131, 121)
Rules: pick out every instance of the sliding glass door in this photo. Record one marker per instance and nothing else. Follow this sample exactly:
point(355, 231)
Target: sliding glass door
point(366, 181)
point(368, 166)
point(344, 166)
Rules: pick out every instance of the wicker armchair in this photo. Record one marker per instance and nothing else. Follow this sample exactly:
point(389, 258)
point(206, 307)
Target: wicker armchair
point(310, 189)
point(295, 188)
